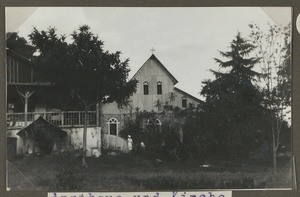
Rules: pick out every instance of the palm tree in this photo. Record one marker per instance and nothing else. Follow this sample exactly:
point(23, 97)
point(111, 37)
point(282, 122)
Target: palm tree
point(158, 105)
point(172, 97)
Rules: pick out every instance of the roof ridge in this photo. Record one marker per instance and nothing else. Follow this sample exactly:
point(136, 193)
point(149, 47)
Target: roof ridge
point(161, 65)
point(175, 88)
point(12, 52)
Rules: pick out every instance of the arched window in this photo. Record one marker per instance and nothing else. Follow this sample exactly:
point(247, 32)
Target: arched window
point(159, 87)
point(184, 102)
point(146, 88)
point(113, 126)
point(153, 122)
point(157, 122)
point(153, 125)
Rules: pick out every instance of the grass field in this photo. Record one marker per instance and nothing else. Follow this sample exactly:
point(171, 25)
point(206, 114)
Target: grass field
point(132, 172)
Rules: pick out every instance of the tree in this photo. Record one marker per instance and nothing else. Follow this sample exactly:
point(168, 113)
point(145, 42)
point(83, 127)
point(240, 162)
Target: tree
point(82, 71)
point(274, 49)
point(233, 101)
point(158, 104)
point(19, 45)
point(172, 97)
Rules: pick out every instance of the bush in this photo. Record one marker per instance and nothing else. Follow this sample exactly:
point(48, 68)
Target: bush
point(161, 141)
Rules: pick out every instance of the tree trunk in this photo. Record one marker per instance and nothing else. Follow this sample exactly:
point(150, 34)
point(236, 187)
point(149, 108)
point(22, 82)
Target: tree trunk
point(99, 129)
point(275, 162)
point(274, 149)
point(84, 164)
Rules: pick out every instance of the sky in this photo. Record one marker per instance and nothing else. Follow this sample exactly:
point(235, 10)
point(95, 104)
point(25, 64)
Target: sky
point(185, 39)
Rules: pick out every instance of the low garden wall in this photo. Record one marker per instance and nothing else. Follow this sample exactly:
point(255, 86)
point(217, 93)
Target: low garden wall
point(74, 141)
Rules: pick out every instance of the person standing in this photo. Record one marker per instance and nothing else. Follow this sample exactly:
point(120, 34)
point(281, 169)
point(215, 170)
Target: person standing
point(129, 143)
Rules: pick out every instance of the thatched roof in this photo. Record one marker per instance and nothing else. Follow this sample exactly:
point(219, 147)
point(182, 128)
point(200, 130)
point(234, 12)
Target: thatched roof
point(44, 134)
point(42, 128)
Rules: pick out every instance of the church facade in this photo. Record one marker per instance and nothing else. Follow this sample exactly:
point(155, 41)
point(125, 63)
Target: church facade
point(155, 89)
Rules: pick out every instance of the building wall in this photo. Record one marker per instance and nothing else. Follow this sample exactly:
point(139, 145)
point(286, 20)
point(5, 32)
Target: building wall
point(122, 120)
point(20, 142)
point(179, 96)
point(18, 71)
point(151, 73)
point(75, 136)
point(75, 141)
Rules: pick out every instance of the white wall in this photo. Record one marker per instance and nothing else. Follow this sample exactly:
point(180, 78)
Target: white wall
point(151, 73)
point(20, 142)
point(75, 136)
point(178, 99)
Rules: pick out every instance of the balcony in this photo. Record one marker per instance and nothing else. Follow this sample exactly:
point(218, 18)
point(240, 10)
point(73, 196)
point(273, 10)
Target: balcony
point(60, 119)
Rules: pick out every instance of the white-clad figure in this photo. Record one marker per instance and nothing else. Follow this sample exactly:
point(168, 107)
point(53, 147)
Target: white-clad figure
point(142, 146)
point(129, 143)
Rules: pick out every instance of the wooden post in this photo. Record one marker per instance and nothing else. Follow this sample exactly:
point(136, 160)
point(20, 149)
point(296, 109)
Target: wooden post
point(79, 118)
point(97, 114)
point(62, 118)
point(25, 108)
point(26, 96)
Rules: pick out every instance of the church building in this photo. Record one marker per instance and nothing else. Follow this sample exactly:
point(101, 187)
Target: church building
point(155, 88)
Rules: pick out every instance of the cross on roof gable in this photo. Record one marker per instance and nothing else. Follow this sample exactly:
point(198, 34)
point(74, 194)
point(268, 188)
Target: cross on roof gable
point(154, 58)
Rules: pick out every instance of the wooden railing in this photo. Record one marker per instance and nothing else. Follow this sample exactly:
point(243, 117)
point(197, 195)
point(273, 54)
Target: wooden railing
point(61, 119)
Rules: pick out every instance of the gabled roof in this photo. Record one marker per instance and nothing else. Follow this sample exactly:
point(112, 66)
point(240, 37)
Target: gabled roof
point(154, 58)
point(188, 95)
point(28, 63)
point(18, 56)
point(42, 128)
point(44, 134)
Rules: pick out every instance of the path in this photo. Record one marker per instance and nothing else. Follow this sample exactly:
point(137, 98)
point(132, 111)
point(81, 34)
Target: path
point(16, 180)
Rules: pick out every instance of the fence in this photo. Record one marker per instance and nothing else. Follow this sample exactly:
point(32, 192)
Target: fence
point(61, 119)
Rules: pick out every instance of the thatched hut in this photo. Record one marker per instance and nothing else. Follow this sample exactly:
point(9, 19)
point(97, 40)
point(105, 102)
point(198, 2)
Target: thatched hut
point(42, 136)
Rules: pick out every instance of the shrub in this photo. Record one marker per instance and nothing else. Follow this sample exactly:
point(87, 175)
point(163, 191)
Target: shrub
point(161, 141)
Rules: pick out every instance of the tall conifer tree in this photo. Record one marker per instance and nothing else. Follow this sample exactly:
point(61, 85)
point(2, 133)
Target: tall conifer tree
point(233, 101)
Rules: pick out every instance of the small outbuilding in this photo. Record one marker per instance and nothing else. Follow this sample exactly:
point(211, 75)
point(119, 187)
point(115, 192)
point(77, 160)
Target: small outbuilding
point(42, 137)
